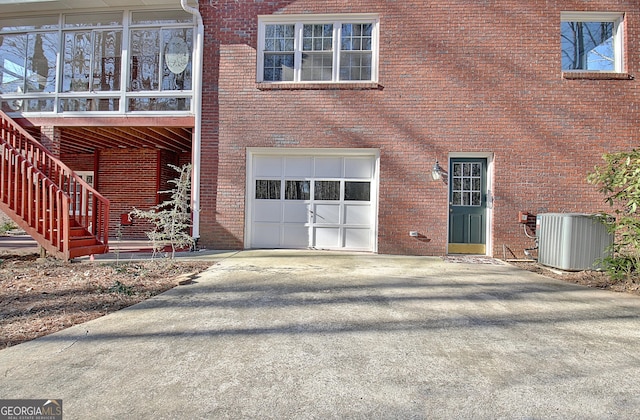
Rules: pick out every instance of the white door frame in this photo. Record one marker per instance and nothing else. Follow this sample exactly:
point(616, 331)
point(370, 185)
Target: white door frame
point(329, 152)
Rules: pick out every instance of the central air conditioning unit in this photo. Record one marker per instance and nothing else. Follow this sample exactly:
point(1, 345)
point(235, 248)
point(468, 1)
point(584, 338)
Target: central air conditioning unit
point(571, 241)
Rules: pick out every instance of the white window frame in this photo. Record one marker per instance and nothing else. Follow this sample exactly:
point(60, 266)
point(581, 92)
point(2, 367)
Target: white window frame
point(618, 33)
point(337, 20)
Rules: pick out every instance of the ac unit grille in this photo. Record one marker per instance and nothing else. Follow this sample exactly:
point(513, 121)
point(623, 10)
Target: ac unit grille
point(571, 241)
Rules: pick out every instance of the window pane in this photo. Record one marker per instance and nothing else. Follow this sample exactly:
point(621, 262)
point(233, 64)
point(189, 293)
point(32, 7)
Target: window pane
point(317, 66)
point(89, 104)
point(356, 36)
point(587, 46)
point(161, 17)
point(38, 105)
point(297, 190)
point(177, 46)
point(327, 190)
point(278, 67)
point(28, 23)
point(317, 37)
point(160, 104)
point(267, 189)
point(357, 191)
point(145, 56)
point(355, 66)
point(106, 66)
point(13, 58)
point(279, 37)
point(93, 19)
point(77, 61)
point(466, 184)
point(41, 62)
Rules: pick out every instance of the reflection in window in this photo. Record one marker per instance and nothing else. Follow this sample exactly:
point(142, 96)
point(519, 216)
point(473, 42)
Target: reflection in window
point(279, 53)
point(90, 49)
point(160, 17)
point(28, 105)
point(159, 104)
point(145, 59)
point(147, 48)
point(357, 191)
point(267, 189)
point(321, 49)
point(92, 56)
point(356, 56)
point(297, 190)
point(89, 104)
point(28, 62)
point(587, 46)
point(466, 184)
point(317, 56)
point(327, 190)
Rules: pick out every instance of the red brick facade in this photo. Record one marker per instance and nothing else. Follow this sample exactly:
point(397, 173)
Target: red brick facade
point(454, 77)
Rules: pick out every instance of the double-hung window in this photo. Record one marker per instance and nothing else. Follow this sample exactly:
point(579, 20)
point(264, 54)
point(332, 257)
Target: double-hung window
point(318, 48)
point(592, 41)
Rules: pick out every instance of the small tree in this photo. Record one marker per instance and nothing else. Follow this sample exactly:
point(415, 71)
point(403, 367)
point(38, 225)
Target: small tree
point(171, 219)
point(619, 180)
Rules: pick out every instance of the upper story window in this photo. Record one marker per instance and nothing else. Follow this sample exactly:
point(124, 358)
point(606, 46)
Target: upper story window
point(116, 61)
point(318, 48)
point(592, 41)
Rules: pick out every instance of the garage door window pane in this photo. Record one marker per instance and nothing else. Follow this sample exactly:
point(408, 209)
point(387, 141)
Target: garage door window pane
point(327, 190)
point(297, 190)
point(267, 189)
point(357, 191)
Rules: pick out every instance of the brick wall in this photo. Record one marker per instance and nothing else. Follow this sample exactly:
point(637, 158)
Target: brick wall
point(129, 178)
point(79, 162)
point(455, 77)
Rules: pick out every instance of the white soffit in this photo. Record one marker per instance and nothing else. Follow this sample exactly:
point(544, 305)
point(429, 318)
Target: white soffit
point(17, 6)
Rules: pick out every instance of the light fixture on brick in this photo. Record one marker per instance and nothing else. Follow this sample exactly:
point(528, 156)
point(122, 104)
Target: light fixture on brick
point(439, 173)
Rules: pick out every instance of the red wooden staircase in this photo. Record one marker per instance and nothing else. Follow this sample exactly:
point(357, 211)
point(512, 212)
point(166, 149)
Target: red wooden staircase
point(64, 214)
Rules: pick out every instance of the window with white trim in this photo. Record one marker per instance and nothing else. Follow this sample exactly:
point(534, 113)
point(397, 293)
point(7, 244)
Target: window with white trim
point(592, 41)
point(318, 48)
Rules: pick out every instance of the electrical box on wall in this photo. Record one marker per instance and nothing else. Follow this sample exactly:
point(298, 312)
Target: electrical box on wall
point(523, 217)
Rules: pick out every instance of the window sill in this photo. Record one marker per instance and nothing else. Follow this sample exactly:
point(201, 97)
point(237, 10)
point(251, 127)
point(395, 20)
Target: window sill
point(319, 86)
point(595, 75)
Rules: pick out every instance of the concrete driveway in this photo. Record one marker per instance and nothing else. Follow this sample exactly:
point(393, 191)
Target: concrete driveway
point(317, 335)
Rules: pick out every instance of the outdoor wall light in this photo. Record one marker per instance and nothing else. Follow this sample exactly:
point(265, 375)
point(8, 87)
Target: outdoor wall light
point(438, 173)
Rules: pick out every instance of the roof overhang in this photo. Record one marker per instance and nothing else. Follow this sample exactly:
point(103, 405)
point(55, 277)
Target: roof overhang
point(86, 135)
point(17, 6)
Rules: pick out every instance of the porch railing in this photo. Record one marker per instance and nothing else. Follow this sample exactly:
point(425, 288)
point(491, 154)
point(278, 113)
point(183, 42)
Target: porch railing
point(46, 198)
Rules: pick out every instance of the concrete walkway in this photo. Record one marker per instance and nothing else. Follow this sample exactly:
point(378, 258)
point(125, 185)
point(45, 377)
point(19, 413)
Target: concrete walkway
point(319, 335)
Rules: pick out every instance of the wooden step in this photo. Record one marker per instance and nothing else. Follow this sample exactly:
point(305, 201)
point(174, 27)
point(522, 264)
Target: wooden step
point(81, 241)
point(88, 250)
point(76, 231)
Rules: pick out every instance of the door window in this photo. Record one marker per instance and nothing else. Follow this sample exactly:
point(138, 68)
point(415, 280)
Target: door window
point(466, 187)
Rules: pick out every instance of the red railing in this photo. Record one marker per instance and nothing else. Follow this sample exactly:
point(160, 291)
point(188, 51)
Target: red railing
point(48, 197)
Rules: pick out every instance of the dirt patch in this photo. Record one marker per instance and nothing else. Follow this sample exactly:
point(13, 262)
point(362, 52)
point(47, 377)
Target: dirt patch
point(41, 296)
point(589, 278)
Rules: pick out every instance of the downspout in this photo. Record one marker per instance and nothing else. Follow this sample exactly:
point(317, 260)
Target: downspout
point(197, 130)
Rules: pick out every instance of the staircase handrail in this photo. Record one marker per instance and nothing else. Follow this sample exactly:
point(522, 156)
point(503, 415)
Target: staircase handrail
point(93, 212)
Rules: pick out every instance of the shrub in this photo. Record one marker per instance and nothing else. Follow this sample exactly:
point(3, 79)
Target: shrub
point(171, 219)
point(619, 180)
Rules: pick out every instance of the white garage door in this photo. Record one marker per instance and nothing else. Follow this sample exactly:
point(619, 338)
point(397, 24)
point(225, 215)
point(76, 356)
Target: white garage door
point(312, 201)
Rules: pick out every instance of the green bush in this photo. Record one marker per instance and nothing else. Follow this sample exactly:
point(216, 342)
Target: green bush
point(619, 180)
point(6, 227)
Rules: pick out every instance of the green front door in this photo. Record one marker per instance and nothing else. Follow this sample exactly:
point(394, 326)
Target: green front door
point(467, 206)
